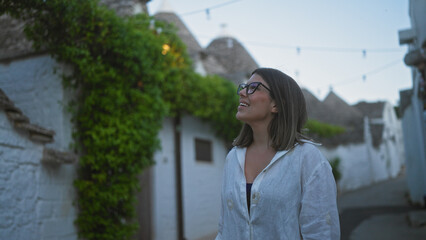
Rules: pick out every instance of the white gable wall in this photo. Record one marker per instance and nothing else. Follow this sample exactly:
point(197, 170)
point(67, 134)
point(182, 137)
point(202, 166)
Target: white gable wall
point(35, 86)
point(202, 181)
point(36, 200)
point(362, 164)
point(393, 139)
point(19, 162)
point(354, 165)
point(164, 186)
point(414, 152)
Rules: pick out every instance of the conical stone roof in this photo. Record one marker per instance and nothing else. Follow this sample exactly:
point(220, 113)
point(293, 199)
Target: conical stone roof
point(316, 109)
point(192, 45)
point(371, 110)
point(343, 114)
point(232, 55)
point(334, 110)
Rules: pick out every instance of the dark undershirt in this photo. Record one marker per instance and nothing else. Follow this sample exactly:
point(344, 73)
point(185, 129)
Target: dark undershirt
point(248, 192)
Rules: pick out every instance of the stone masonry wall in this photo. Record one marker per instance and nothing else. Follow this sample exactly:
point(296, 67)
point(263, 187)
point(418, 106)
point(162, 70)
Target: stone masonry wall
point(36, 199)
point(13, 43)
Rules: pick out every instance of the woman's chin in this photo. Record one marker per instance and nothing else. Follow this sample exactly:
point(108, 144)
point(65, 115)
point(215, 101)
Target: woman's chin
point(239, 116)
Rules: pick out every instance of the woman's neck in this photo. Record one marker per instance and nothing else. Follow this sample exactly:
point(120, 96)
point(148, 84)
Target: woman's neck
point(261, 136)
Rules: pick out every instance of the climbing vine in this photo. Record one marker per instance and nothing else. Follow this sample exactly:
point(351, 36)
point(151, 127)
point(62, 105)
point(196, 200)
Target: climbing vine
point(322, 130)
point(127, 78)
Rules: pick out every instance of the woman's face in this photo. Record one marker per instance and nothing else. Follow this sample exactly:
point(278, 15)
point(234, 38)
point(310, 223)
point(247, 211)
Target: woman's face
point(257, 107)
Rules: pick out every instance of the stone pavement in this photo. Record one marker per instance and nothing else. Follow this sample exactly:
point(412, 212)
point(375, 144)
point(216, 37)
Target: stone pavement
point(380, 211)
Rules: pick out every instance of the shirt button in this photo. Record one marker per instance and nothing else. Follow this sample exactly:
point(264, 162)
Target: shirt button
point(255, 197)
point(230, 204)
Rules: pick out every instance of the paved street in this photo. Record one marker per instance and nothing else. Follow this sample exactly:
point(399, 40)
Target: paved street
point(379, 212)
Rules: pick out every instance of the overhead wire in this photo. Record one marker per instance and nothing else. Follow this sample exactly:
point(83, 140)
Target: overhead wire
point(300, 48)
point(207, 10)
point(369, 73)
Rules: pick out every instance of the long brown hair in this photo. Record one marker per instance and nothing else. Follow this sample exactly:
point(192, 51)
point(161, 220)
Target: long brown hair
point(285, 128)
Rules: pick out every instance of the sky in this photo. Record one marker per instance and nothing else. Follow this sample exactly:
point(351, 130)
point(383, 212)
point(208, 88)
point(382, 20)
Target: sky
point(349, 46)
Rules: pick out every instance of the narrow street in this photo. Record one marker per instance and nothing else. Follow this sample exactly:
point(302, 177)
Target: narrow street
point(380, 211)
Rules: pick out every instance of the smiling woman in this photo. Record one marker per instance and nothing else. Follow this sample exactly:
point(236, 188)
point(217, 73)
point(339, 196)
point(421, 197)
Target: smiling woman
point(255, 107)
point(277, 184)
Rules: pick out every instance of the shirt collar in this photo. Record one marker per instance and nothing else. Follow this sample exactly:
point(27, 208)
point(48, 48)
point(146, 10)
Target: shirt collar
point(241, 156)
point(241, 153)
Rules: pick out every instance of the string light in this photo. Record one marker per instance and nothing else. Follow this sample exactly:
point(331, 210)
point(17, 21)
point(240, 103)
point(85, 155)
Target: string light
point(207, 10)
point(307, 48)
point(208, 13)
point(370, 73)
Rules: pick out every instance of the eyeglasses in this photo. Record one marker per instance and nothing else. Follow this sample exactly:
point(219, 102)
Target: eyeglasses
point(251, 88)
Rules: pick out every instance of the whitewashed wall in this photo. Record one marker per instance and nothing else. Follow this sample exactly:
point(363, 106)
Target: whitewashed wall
point(362, 164)
point(354, 165)
point(414, 116)
point(393, 139)
point(414, 152)
point(164, 186)
point(36, 201)
point(35, 86)
point(201, 182)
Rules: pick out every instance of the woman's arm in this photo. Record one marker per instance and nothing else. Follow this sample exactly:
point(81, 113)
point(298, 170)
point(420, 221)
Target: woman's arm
point(319, 217)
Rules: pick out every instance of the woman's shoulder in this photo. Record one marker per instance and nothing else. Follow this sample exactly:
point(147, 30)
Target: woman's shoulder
point(310, 152)
point(233, 152)
point(312, 161)
point(308, 146)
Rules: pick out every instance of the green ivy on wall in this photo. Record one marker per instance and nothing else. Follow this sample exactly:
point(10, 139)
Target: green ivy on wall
point(127, 78)
point(321, 129)
point(126, 82)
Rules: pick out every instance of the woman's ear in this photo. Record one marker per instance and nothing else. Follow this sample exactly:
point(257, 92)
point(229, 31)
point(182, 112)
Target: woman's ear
point(274, 107)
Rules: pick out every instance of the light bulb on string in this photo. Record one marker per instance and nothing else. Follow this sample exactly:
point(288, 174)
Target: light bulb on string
point(208, 13)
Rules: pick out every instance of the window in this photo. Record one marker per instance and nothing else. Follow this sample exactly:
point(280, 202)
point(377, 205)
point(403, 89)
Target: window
point(203, 150)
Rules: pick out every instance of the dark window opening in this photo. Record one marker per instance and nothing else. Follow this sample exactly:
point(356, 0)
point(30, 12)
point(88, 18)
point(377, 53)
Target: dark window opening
point(203, 150)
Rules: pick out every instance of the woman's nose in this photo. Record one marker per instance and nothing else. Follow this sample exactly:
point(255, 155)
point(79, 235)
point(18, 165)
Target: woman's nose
point(243, 92)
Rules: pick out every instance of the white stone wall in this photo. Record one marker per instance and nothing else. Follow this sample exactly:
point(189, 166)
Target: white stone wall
point(393, 139)
point(36, 200)
point(363, 164)
point(164, 186)
point(19, 161)
point(414, 116)
point(201, 182)
point(35, 86)
point(415, 162)
point(360, 165)
point(355, 166)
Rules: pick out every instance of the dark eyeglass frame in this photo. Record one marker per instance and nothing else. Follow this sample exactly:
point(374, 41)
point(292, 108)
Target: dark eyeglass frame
point(252, 90)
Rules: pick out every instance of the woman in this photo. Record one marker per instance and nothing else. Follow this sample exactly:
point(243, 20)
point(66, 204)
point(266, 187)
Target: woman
point(277, 184)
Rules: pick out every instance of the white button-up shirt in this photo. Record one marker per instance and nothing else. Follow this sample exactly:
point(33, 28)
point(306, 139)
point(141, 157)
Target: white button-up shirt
point(294, 197)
